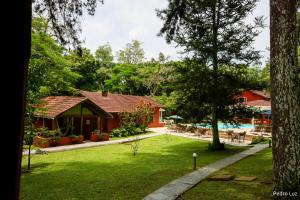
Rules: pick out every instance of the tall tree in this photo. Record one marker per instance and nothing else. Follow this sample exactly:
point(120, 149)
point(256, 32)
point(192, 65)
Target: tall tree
point(285, 98)
point(49, 69)
point(215, 34)
point(64, 17)
point(86, 65)
point(132, 54)
point(155, 73)
point(104, 53)
point(125, 79)
point(18, 44)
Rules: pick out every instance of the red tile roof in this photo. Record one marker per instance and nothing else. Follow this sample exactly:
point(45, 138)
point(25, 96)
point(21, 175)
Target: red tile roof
point(113, 103)
point(258, 103)
point(261, 93)
point(52, 106)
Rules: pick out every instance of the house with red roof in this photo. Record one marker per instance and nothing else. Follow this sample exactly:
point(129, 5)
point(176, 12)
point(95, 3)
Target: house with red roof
point(259, 100)
point(255, 98)
point(118, 103)
point(92, 111)
point(61, 112)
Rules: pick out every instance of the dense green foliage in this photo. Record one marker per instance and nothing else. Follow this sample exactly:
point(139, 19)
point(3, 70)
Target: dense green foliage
point(127, 131)
point(125, 79)
point(88, 67)
point(49, 70)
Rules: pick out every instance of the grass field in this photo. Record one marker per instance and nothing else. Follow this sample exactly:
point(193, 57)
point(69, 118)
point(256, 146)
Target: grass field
point(112, 172)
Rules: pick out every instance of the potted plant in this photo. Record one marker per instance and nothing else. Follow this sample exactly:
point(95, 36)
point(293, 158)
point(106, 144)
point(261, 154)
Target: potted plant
point(42, 138)
point(95, 136)
point(104, 137)
point(76, 139)
point(54, 141)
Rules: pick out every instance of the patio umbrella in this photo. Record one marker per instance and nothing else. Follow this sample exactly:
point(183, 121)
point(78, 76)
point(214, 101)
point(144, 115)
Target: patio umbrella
point(266, 112)
point(175, 117)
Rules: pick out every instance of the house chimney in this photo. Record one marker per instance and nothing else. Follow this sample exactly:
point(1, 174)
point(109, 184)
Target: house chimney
point(104, 93)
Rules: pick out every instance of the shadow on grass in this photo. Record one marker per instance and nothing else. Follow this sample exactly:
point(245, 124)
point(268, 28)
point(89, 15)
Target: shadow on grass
point(34, 167)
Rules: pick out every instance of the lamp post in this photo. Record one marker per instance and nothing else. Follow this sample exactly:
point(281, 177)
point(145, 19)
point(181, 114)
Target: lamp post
point(194, 156)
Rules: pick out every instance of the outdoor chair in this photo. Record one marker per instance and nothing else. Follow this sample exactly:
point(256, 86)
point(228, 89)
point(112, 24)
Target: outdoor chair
point(171, 127)
point(235, 136)
point(242, 135)
point(202, 131)
point(180, 128)
point(230, 134)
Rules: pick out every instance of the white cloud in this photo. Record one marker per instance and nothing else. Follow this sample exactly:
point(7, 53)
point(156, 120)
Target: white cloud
point(137, 33)
point(120, 21)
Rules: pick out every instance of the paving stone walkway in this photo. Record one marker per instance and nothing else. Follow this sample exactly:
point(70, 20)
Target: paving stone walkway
point(177, 187)
point(92, 144)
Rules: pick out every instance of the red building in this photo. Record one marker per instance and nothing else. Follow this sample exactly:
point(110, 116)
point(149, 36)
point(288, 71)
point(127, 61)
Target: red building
point(257, 99)
point(117, 103)
point(93, 111)
point(253, 95)
point(83, 115)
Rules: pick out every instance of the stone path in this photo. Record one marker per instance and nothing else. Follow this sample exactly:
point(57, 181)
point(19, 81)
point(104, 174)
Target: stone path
point(177, 187)
point(92, 144)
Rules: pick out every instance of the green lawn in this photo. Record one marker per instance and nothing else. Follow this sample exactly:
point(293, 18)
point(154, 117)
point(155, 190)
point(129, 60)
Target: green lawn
point(112, 172)
point(259, 165)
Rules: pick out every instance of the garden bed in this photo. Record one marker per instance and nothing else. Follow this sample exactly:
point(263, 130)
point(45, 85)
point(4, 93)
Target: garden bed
point(44, 142)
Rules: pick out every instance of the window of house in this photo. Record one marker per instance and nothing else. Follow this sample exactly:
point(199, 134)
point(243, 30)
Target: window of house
point(161, 110)
point(242, 99)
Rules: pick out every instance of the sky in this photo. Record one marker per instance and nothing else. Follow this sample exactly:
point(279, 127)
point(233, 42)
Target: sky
point(118, 22)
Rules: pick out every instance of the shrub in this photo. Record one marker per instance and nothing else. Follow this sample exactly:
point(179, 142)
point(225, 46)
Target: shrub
point(143, 128)
point(142, 115)
point(118, 132)
point(127, 131)
point(135, 147)
point(258, 139)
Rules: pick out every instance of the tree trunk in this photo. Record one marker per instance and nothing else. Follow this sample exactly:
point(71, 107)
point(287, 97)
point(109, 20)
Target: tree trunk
point(216, 145)
point(29, 156)
point(285, 98)
point(216, 140)
point(16, 41)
